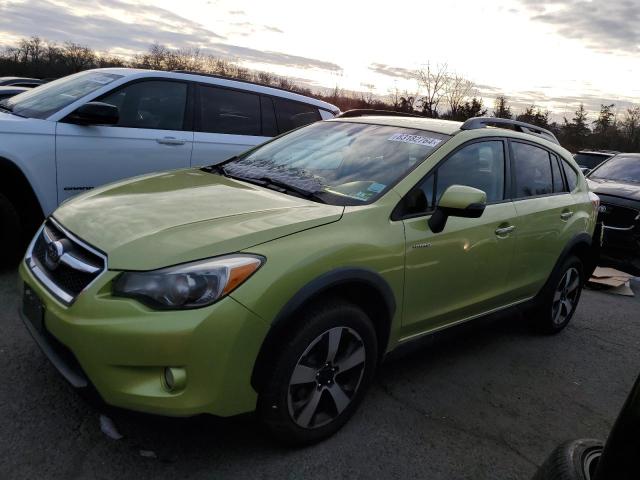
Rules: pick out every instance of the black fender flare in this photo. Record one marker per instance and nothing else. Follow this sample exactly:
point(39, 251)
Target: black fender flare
point(582, 241)
point(313, 289)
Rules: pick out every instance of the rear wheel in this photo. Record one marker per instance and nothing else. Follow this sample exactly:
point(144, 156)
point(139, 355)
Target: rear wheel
point(10, 233)
point(559, 299)
point(321, 374)
point(575, 460)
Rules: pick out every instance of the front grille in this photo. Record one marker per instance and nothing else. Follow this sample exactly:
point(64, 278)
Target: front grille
point(617, 216)
point(63, 263)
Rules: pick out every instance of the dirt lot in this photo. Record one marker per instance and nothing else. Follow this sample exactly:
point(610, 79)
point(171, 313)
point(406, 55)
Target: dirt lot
point(484, 402)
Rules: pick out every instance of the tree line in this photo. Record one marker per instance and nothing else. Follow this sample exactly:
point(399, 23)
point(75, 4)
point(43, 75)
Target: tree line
point(439, 92)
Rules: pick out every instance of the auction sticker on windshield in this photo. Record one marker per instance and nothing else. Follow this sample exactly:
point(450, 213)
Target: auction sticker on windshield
point(416, 139)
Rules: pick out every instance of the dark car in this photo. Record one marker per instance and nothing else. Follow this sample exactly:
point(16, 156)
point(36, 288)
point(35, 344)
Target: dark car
point(6, 92)
point(590, 159)
point(20, 82)
point(617, 183)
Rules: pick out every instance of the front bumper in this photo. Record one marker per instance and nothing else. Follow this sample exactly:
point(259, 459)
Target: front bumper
point(121, 348)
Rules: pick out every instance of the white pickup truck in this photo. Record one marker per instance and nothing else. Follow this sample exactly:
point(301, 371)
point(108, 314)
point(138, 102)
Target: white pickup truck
point(103, 125)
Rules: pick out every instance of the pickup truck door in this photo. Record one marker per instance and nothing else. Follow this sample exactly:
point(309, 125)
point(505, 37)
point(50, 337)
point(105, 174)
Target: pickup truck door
point(152, 134)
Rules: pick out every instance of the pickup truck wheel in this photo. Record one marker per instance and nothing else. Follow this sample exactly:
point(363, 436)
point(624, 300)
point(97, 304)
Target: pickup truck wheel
point(10, 233)
point(575, 460)
point(559, 298)
point(321, 374)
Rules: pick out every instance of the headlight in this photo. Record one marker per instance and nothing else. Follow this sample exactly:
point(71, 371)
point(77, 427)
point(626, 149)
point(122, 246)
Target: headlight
point(191, 285)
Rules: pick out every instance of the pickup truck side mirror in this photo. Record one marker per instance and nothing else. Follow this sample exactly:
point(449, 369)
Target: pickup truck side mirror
point(94, 113)
point(457, 201)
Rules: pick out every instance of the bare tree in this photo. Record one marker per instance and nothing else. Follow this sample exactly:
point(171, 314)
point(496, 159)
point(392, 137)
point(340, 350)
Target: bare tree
point(78, 57)
point(457, 89)
point(432, 80)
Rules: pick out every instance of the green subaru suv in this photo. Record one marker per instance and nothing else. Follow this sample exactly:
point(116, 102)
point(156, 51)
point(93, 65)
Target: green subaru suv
point(278, 280)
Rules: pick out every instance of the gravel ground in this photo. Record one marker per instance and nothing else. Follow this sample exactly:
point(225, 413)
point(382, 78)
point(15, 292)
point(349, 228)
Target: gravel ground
point(488, 401)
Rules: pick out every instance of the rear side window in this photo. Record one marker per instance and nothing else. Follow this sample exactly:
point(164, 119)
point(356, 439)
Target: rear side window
point(292, 114)
point(572, 176)
point(532, 170)
point(153, 104)
point(229, 111)
point(558, 182)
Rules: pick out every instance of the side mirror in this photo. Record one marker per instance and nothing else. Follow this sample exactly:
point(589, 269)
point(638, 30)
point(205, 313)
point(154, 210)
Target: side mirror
point(94, 113)
point(457, 201)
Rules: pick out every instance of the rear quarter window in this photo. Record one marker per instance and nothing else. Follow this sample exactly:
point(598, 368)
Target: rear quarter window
point(290, 114)
point(572, 176)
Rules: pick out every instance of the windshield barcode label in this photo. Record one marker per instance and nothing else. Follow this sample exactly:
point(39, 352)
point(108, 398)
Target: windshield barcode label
point(417, 139)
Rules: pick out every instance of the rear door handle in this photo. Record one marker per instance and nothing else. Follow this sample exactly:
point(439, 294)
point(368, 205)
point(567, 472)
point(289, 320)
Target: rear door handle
point(566, 215)
point(502, 231)
point(170, 141)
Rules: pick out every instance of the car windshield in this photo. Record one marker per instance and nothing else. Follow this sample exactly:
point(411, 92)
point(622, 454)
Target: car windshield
point(343, 163)
point(51, 97)
point(590, 160)
point(620, 168)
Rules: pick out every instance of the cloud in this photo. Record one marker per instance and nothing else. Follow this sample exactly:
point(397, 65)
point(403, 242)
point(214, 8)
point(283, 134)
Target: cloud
point(607, 26)
point(131, 27)
point(389, 71)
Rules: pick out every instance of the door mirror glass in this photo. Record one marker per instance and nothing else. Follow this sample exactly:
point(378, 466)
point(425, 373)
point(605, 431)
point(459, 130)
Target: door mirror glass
point(94, 113)
point(457, 201)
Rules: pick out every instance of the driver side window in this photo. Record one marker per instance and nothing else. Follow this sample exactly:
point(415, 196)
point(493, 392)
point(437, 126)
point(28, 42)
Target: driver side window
point(479, 165)
point(154, 104)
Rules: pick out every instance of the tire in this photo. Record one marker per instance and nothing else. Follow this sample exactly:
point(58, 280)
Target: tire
point(559, 298)
point(575, 460)
point(313, 389)
point(10, 233)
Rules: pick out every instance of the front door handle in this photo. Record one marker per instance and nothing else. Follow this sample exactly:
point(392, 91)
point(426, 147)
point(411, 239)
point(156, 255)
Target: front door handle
point(502, 231)
point(566, 215)
point(170, 141)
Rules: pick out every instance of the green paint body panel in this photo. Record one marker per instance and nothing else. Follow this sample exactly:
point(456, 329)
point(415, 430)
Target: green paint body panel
point(170, 218)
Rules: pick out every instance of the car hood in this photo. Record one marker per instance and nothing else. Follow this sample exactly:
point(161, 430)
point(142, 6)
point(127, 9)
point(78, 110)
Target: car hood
point(615, 188)
point(175, 217)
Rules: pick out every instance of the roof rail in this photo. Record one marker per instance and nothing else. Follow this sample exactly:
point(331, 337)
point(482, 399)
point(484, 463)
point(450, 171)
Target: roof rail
point(482, 122)
point(223, 77)
point(364, 112)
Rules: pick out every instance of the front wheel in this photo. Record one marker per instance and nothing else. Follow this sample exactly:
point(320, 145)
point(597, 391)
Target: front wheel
point(559, 298)
point(321, 374)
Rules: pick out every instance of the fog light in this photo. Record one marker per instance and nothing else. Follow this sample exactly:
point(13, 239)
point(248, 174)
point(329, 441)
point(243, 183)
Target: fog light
point(174, 378)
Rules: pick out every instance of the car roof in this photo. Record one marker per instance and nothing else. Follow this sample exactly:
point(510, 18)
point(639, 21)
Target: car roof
point(223, 81)
point(4, 79)
point(602, 153)
point(13, 88)
point(446, 127)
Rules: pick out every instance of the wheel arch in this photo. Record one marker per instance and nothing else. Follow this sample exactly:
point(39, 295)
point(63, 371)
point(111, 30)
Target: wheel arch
point(15, 185)
point(365, 288)
point(580, 245)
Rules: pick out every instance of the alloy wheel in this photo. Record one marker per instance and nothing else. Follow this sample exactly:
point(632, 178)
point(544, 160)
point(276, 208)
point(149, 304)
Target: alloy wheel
point(566, 296)
point(326, 377)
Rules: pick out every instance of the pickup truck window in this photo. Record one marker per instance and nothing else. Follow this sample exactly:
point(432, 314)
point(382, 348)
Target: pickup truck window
point(47, 99)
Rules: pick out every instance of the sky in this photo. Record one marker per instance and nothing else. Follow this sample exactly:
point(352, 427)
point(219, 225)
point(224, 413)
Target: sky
point(554, 53)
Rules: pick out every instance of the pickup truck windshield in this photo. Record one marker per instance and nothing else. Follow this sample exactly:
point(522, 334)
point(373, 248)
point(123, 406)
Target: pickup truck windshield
point(343, 163)
point(51, 97)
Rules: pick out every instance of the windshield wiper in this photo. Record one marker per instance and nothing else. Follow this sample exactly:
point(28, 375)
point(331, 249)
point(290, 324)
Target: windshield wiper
point(279, 186)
